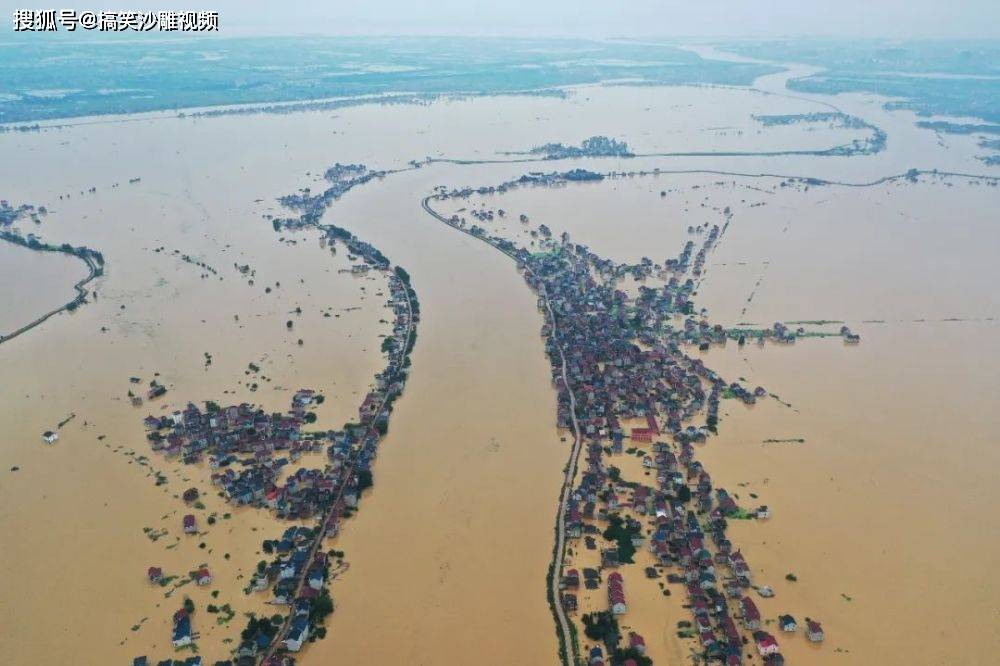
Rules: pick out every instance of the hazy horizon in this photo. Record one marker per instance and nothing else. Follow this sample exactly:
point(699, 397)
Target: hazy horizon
point(888, 19)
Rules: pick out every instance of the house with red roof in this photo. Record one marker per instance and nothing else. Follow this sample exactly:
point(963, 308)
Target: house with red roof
point(571, 580)
point(616, 594)
point(651, 424)
point(814, 631)
point(644, 435)
point(766, 643)
point(751, 616)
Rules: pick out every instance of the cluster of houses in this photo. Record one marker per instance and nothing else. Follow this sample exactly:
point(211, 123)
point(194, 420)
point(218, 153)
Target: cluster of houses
point(632, 381)
point(595, 146)
point(293, 562)
point(277, 660)
point(247, 449)
point(201, 576)
point(699, 259)
point(849, 337)
point(687, 521)
point(532, 178)
point(635, 643)
point(342, 178)
point(814, 630)
point(682, 263)
point(485, 215)
point(782, 333)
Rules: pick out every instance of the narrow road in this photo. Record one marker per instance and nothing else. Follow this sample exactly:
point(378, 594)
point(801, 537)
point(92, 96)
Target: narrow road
point(569, 655)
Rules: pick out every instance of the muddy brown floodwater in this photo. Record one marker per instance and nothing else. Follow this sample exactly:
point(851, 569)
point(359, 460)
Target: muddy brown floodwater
point(896, 433)
point(33, 283)
point(884, 513)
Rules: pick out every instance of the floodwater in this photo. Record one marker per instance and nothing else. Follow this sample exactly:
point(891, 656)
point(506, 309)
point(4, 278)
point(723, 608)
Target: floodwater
point(898, 430)
point(34, 283)
point(448, 552)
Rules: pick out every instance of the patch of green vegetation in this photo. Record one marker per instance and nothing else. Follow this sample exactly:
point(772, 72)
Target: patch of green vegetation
point(601, 626)
point(154, 535)
point(226, 613)
point(621, 532)
point(322, 607)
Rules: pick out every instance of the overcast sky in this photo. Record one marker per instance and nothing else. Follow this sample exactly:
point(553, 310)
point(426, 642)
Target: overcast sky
point(583, 18)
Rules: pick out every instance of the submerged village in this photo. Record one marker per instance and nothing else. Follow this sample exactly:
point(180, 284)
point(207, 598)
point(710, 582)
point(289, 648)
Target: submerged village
point(250, 451)
point(627, 387)
point(619, 393)
point(627, 390)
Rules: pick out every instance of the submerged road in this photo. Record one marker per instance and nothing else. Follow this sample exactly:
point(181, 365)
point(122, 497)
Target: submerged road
point(569, 650)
